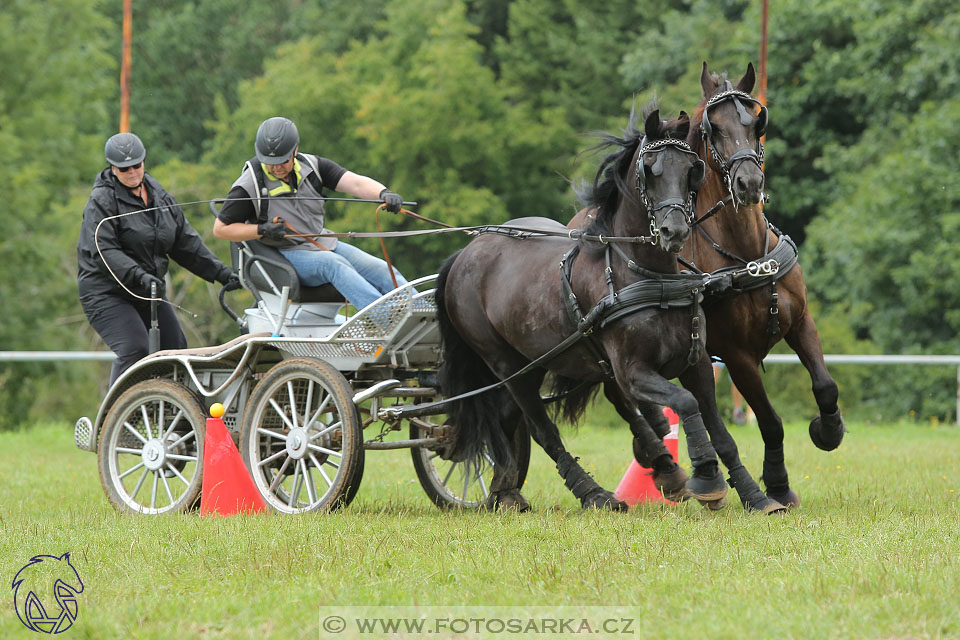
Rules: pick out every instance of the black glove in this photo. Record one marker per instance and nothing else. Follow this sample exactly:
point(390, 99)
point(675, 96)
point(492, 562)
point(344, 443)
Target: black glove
point(392, 200)
point(232, 283)
point(147, 279)
point(272, 230)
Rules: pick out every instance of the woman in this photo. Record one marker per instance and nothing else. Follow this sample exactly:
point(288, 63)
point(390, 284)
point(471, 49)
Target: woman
point(118, 260)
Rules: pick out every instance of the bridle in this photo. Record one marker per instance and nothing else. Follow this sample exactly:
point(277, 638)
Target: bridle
point(687, 207)
point(729, 167)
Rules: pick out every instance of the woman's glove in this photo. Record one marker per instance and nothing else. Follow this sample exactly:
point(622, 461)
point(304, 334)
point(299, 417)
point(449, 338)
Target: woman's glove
point(147, 279)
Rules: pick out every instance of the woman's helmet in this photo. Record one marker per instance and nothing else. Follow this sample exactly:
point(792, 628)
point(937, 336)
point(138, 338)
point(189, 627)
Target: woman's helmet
point(124, 150)
point(277, 138)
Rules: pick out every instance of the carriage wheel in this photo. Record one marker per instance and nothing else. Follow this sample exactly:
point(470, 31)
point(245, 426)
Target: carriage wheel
point(301, 437)
point(151, 448)
point(461, 485)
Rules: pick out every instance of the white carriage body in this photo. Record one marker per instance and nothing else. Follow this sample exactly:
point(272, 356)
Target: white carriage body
point(396, 332)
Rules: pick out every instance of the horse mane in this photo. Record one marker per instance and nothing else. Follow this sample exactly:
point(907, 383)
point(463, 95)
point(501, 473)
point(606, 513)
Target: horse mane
point(610, 182)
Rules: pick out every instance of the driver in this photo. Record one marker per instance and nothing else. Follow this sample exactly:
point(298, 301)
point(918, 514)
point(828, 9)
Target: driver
point(281, 182)
point(117, 263)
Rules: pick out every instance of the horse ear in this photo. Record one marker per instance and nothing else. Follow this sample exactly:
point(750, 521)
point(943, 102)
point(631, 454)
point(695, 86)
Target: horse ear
point(651, 126)
point(761, 123)
point(682, 126)
point(748, 80)
point(697, 173)
point(707, 85)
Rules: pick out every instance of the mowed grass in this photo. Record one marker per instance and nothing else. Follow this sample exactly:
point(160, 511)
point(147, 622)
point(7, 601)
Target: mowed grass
point(872, 553)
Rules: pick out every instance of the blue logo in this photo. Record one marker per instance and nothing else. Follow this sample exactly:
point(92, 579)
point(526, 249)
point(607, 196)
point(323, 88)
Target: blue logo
point(45, 594)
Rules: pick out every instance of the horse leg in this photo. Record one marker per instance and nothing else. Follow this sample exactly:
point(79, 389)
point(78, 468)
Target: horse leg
point(526, 393)
point(707, 484)
point(746, 376)
point(505, 485)
point(826, 430)
point(648, 448)
point(699, 380)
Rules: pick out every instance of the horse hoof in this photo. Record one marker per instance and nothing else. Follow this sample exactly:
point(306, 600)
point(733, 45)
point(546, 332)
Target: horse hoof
point(714, 505)
point(672, 484)
point(787, 498)
point(826, 430)
point(707, 489)
point(603, 499)
point(508, 500)
point(765, 506)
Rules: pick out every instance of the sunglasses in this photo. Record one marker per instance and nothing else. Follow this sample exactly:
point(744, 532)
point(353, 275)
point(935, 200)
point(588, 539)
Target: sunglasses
point(133, 166)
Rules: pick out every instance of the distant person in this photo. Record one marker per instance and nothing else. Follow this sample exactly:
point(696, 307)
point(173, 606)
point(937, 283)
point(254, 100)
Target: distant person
point(742, 413)
point(132, 252)
point(282, 182)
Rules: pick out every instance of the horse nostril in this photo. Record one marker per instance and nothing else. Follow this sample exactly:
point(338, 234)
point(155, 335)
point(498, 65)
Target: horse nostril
point(741, 184)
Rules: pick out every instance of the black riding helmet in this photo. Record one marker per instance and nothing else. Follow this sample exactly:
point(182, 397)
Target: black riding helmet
point(124, 150)
point(276, 140)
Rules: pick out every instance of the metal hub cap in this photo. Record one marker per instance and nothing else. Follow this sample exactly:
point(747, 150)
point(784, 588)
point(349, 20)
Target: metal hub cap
point(154, 455)
point(297, 443)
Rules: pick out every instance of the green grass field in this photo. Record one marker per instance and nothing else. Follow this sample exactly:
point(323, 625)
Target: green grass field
point(872, 553)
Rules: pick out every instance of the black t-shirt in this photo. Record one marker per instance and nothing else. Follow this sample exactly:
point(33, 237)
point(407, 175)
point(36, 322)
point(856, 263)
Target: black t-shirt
point(239, 208)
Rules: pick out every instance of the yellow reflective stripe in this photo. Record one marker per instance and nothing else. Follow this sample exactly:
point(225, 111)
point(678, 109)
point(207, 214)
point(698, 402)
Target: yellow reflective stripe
point(284, 187)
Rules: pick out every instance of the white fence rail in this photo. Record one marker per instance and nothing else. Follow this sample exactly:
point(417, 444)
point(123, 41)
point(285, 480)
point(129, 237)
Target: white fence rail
point(954, 360)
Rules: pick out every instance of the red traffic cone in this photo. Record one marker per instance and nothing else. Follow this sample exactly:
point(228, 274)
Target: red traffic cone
point(637, 484)
point(227, 486)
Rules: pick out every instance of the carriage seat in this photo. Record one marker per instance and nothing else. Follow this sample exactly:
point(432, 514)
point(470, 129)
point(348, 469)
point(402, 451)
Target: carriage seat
point(263, 269)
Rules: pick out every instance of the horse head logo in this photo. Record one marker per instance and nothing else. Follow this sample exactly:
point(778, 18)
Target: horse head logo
point(45, 594)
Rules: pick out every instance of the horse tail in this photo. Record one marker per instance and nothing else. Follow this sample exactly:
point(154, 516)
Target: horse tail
point(478, 419)
point(573, 396)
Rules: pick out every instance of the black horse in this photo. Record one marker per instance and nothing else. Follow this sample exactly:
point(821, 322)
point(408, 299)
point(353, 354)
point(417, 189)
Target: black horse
point(611, 309)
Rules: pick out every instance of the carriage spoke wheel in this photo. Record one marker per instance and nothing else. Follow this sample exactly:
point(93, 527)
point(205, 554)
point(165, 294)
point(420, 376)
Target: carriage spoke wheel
point(151, 448)
point(301, 437)
point(460, 485)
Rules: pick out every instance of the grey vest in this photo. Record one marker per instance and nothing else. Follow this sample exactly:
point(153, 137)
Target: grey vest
point(304, 214)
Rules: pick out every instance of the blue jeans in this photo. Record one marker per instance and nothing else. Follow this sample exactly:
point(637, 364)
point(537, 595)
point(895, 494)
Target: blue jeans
point(357, 275)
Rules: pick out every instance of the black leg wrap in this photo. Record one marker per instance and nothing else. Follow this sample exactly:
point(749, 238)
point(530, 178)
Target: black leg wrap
point(750, 495)
point(646, 453)
point(698, 442)
point(575, 478)
point(826, 430)
point(774, 471)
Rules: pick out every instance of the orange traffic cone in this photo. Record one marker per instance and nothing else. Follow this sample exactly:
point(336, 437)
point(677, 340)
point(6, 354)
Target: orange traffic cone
point(227, 485)
point(637, 484)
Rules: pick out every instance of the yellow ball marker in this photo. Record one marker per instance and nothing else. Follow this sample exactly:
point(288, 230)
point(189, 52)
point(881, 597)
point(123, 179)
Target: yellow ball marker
point(217, 410)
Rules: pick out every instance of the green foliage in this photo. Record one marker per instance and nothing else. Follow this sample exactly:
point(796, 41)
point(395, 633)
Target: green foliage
point(476, 110)
point(54, 84)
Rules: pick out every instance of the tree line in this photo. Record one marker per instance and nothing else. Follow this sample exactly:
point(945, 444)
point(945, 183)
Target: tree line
point(481, 111)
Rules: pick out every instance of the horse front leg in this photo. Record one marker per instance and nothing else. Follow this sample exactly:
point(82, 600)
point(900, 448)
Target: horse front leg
point(699, 380)
point(827, 429)
point(746, 376)
point(650, 388)
point(648, 448)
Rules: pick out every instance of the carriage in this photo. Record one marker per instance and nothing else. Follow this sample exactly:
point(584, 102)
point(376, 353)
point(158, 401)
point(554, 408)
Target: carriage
point(304, 390)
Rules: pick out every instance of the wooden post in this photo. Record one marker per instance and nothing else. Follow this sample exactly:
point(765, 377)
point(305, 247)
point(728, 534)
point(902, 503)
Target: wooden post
point(762, 95)
point(125, 67)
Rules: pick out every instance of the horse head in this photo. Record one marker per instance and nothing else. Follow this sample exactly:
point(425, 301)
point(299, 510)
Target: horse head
point(668, 174)
point(731, 124)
